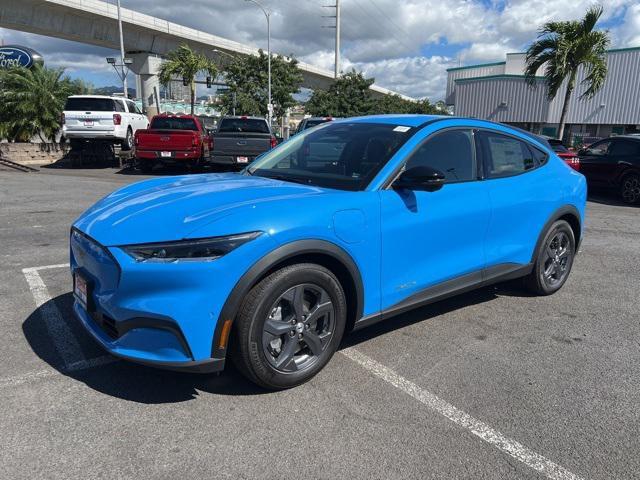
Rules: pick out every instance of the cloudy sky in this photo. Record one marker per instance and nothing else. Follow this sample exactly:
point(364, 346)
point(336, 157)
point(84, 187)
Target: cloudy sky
point(407, 45)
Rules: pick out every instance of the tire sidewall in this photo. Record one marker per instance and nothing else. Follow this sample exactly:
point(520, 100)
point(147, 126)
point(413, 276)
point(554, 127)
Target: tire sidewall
point(127, 144)
point(559, 225)
point(261, 368)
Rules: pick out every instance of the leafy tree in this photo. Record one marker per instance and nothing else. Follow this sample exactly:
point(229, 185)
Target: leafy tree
point(31, 102)
point(563, 47)
point(248, 79)
point(348, 96)
point(397, 104)
point(185, 64)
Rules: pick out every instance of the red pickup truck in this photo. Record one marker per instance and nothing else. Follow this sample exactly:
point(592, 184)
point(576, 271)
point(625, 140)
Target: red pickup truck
point(172, 139)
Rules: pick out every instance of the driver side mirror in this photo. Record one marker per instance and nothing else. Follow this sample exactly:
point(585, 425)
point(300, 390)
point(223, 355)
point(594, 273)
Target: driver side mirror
point(420, 178)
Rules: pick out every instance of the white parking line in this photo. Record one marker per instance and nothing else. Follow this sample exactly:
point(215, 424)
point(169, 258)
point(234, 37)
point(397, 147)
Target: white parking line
point(63, 339)
point(457, 416)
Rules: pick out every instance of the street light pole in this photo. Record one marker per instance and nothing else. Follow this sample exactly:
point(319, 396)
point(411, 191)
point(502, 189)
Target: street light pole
point(267, 14)
point(124, 75)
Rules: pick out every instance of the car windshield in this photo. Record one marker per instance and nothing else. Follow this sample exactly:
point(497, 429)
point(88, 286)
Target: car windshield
point(340, 155)
point(88, 104)
point(173, 123)
point(315, 122)
point(248, 125)
point(559, 148)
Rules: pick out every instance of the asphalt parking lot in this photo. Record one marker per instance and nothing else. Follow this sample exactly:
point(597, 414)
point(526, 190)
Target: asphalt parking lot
point(493, 384)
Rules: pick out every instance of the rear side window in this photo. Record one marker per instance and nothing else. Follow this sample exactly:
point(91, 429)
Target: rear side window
point(243, 125)
point(505, 156)
point(90, 105)
point(625, 147)
point(450, 152)
point(173, 123)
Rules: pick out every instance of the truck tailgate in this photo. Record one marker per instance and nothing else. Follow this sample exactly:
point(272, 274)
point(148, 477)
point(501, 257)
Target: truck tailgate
point(166, 140)
point(246, 144)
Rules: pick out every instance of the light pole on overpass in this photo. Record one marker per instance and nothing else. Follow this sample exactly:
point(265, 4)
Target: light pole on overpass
point(267, 13)
point(122, 63)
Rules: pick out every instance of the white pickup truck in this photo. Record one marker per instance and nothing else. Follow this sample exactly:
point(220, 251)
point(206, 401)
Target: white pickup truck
point(98, 117)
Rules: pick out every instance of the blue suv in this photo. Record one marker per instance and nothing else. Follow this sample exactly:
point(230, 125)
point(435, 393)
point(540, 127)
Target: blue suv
point(343, 225)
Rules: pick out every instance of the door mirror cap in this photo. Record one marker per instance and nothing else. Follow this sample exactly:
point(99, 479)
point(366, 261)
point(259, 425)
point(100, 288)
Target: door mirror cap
point(420, 178)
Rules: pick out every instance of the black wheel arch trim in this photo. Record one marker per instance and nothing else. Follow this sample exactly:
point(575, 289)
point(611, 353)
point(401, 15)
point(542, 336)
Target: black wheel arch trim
point(268, 262)
point(557, 215)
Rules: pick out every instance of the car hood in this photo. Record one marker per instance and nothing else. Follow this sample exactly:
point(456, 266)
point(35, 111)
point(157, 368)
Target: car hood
point(174, 208)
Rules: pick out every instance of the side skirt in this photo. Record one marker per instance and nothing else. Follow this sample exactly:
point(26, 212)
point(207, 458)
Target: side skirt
point(450, 288)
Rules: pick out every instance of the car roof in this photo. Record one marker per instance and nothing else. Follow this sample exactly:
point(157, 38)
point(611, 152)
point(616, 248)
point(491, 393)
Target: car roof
point(408, 120)
point(112, 97)
point(243, 117)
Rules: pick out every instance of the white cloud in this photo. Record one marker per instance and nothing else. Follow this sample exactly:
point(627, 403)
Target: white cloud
point(384, 38)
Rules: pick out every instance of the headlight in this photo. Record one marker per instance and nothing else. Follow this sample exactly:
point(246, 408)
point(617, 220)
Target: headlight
point(197, 249)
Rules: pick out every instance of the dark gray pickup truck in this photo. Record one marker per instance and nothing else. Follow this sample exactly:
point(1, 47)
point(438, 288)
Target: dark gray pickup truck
point(239, 140)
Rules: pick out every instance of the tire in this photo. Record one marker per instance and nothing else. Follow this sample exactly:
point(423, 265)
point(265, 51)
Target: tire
point(554, 260)
point(630, 189)
point(127, 143)
point(289, 326)
point(146, 166)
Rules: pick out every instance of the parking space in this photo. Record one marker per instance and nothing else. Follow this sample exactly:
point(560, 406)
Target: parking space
point(491, 384)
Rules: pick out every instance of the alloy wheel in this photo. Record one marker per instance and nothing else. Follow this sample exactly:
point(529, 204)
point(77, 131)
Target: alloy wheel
point(299, 328)
point(557, 260)
point(631, 189)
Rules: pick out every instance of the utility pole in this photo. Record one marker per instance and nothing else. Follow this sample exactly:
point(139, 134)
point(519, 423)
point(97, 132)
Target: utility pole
point(337, 27)
point(122, 64)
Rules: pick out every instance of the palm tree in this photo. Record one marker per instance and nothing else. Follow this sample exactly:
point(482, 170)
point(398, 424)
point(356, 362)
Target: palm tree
point(31, 102)
point(185, 64)
point(562, 48)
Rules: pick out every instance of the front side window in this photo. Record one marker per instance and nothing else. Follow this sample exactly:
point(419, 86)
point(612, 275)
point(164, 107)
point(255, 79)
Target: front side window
point(450, 152)
point(344, 156)
point(599, 149)
point(504, 156)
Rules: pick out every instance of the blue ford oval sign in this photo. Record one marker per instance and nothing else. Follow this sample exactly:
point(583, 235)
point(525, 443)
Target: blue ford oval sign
point(13, 56)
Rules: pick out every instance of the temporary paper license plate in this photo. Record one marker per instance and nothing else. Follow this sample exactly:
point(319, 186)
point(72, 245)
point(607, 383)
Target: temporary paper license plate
point(243, 159)
point(88, 123)
point(80, 289)
point(165, 154)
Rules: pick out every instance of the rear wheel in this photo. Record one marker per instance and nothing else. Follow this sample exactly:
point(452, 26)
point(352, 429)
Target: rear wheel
point(630, 189)
point(554, 260)
point(289, 326)
point(127, 143)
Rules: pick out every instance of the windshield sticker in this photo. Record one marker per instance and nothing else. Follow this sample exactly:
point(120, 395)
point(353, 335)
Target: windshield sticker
point(401, 128)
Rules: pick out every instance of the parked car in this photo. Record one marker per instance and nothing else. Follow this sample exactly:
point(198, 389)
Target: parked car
point(614, 163)
point(99, 117)
point(307, 243)
point(569, 156)
point(172, 139)
point(312, 122)
point(239, 140)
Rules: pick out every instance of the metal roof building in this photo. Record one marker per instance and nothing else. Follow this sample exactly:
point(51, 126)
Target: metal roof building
point(498, 92)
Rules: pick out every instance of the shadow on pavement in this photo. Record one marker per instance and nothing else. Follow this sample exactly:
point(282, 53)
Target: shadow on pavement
point(142, 384)
point(605, 197)
point(123, 379)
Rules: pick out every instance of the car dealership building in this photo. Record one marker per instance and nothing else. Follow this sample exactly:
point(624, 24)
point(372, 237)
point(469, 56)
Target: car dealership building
point(498, 92)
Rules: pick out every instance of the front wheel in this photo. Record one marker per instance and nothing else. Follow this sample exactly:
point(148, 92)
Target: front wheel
point(630, 189)
point(554, 260)
point(289, 326)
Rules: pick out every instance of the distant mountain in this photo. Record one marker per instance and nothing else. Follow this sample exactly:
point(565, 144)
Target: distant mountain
point(113, 89)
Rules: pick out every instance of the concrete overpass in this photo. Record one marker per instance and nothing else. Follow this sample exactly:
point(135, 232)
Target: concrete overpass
point(146, 38)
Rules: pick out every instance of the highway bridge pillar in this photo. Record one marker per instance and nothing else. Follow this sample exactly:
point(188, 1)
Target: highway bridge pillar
point(147, 67)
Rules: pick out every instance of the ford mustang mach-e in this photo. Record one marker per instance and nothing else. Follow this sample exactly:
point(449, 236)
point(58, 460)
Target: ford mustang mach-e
point(345, 224)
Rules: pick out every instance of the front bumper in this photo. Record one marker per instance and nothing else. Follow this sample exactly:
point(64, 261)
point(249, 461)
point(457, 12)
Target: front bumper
point(158, 314)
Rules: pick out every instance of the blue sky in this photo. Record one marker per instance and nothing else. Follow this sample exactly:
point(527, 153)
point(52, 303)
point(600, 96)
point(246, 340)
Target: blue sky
point(407, 45)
